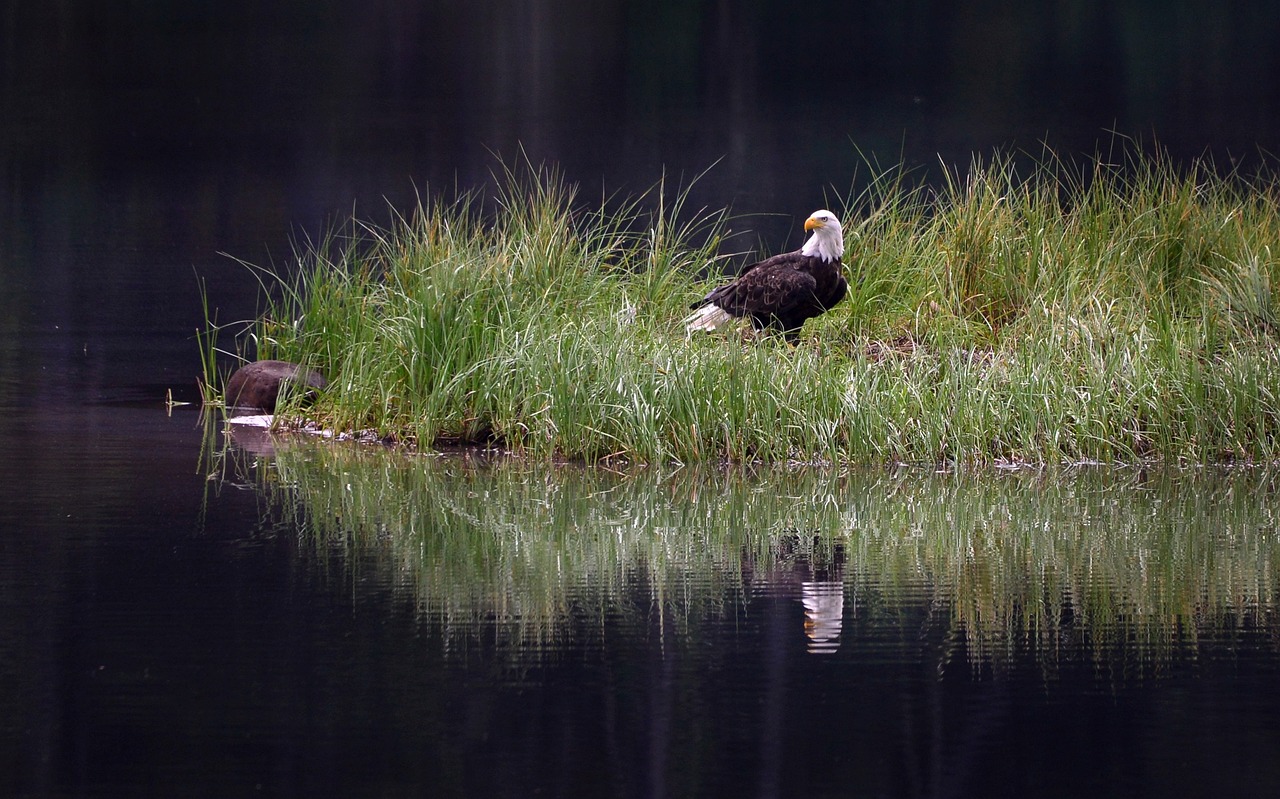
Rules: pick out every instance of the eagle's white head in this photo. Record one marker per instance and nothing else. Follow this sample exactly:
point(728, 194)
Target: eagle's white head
point(827, 241)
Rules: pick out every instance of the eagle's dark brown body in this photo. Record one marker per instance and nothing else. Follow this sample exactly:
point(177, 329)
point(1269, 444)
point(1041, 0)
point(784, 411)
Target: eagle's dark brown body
point(782, 292)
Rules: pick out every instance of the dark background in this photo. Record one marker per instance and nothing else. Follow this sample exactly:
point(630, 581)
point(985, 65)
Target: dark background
point(142, 143)
point(138, 140)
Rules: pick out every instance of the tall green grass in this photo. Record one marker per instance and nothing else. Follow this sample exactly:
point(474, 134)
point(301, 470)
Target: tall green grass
point(1092, 311)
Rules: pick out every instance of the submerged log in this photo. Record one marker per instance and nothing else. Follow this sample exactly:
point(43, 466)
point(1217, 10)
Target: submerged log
point(257, 385)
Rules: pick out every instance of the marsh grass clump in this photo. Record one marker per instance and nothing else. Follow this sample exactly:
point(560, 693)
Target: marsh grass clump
point(1070, 312)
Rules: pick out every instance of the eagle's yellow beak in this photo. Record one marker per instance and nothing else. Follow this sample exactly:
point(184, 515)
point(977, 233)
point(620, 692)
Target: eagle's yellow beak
point(811, 223)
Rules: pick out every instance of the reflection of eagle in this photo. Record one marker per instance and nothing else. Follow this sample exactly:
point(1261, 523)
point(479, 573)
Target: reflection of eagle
point(783, 291)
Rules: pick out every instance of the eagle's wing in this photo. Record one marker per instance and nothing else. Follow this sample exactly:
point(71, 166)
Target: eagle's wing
point(839, 288)
point(773, 287)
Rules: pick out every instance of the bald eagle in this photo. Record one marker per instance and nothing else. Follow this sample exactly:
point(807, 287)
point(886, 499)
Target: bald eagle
point(781, 292)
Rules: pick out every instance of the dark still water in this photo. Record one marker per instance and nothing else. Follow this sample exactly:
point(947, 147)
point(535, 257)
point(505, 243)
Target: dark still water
point(179, 617)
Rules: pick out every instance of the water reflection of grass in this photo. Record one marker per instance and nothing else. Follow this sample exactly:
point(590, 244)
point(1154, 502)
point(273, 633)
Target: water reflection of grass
point(1116, 566)
point(531, 550)
point(1109, 565)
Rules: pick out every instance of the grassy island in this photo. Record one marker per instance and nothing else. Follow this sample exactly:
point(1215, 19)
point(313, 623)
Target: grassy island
point(1095, 312)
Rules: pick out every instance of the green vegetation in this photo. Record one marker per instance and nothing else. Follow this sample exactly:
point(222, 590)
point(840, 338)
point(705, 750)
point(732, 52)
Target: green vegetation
point(1110, 312)
point(1122, 567)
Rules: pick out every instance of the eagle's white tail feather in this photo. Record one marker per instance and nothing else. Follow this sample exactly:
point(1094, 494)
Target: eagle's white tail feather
point(708, 317)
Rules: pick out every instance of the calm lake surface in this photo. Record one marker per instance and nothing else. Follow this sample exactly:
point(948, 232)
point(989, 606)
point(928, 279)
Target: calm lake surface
point(221, 617)
point(186, 615)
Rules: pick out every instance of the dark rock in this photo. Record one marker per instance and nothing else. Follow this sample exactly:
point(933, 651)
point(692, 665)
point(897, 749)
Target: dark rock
point(257, 384)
